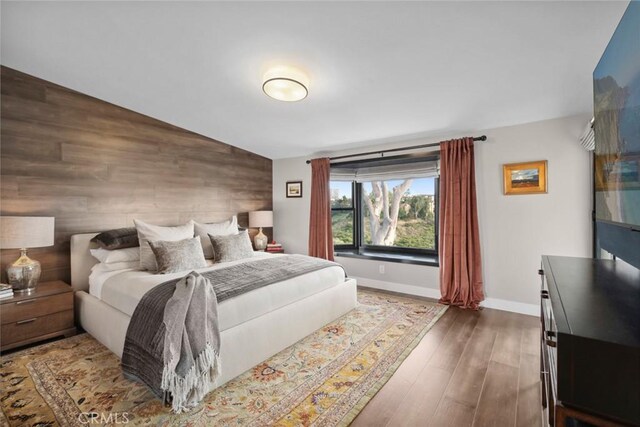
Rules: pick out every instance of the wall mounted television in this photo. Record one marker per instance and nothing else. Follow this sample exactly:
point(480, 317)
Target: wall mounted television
point(616, 89)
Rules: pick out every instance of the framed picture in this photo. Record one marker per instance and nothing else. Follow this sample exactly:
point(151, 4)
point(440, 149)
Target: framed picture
point(294, 189)
point(525, 178)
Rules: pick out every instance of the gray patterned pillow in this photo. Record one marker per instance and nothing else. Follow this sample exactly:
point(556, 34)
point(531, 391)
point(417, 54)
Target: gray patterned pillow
point(180, 255)
point(119, 238)
point(231, 248)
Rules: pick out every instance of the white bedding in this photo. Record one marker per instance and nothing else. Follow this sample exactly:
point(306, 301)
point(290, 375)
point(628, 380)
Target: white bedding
point(99, 275)
point(124, 289)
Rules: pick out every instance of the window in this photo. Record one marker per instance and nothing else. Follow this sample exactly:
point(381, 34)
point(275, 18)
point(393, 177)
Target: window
point(343, 214)
point(385, 213)
point(410, 222)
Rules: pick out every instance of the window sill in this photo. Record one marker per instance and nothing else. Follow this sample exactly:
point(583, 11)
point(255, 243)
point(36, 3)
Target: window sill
point(391, 257)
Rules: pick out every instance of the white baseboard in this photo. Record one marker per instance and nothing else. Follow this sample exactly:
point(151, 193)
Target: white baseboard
point(513, 306)
point(399, 287)
point(495, 303)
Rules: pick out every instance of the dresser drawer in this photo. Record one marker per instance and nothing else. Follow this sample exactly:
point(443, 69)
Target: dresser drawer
point(35, 307)
point(36, 326)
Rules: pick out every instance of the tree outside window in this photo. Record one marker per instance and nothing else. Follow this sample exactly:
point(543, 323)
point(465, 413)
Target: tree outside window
point(393, 214)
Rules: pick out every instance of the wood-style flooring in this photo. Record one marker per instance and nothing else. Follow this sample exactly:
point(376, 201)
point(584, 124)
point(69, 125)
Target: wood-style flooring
point(473, 368)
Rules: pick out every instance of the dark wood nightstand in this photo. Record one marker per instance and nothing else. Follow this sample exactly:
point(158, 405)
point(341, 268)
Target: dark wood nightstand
point(43, 314)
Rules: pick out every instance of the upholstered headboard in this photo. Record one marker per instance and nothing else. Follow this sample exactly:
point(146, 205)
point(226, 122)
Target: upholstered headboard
point(81, 261)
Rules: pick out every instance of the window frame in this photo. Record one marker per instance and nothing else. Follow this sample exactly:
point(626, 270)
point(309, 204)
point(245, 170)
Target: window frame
point(355, 211)
point(359, 247)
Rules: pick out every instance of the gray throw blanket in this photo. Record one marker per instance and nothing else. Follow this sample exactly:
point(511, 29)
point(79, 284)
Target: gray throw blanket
point(173, 340)
point(191, 342)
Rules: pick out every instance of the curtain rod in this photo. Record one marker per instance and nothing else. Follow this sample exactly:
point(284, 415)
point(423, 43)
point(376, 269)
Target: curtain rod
point(391, 150)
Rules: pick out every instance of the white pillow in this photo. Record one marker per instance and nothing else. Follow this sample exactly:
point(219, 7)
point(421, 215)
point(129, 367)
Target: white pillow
point(225, 228)
point(116, 255)
point(115, 266)
point(152, 232)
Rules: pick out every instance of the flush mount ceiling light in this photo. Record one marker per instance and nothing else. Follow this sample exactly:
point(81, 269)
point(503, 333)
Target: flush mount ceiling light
point(286, 84)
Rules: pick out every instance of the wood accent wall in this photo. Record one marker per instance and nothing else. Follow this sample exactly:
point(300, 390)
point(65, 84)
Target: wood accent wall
point(95, 166)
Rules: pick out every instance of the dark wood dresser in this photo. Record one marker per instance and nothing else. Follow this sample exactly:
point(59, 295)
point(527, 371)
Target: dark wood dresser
point(590, 346)
point(43, 314)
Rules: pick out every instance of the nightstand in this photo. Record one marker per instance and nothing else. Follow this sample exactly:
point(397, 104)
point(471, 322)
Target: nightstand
point(43, 314)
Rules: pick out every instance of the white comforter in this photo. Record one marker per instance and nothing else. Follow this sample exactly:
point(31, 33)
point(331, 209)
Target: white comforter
point(123, 290)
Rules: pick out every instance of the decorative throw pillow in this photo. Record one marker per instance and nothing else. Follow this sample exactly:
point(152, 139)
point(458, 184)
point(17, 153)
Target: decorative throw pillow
point(149, 232)
point(117, 239)
point(224, 228)
point(116, 255)
point(181, 255)
point(233, 247)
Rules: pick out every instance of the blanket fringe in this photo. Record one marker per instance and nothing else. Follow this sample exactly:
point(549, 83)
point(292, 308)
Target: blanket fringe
point(189, 390)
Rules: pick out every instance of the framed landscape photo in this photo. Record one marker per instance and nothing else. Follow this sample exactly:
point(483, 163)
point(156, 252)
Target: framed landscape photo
point(525, 178)
point(294, 189)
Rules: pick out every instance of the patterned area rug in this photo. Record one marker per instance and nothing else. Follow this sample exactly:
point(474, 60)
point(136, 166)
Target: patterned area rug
point(324, 380)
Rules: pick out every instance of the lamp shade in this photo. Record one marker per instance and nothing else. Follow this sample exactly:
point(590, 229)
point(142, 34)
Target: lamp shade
point(17, 232)
point(261, 219)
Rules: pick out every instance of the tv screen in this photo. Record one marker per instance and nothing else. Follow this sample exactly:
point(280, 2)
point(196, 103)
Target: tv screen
point(616, 87)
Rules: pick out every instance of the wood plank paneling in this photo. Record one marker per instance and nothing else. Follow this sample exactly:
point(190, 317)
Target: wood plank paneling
point(96, 166)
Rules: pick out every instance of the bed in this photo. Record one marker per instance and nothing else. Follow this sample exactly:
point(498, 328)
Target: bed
point(253, 326)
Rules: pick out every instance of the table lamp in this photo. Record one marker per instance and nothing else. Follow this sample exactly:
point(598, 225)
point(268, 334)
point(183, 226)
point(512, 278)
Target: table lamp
point(23, 232)
point(260, 219)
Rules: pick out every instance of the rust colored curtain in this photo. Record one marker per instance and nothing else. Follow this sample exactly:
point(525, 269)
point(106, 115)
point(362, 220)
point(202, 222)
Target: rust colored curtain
point(459, 244)
point(320, 233)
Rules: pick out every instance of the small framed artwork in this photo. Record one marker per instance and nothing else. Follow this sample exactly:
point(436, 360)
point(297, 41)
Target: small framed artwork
point(294, 188)
point(525, 178)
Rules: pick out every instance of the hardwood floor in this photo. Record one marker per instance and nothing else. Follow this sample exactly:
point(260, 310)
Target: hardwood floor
point(471, 369)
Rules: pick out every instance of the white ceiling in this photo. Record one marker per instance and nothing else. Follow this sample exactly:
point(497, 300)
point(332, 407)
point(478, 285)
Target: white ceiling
point(377, 70)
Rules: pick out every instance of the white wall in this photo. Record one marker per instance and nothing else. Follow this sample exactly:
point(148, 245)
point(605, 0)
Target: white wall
point(514, 230)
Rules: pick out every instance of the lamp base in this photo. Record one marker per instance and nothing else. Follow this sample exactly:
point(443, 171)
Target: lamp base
point(260, 241)
point(23, 274)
